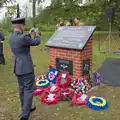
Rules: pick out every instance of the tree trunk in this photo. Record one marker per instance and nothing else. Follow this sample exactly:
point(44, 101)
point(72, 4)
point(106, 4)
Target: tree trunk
point(34, 8)
point(34, 12)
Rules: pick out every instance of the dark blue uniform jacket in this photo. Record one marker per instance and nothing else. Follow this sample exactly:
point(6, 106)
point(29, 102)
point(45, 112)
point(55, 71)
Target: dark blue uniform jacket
point(20, 46)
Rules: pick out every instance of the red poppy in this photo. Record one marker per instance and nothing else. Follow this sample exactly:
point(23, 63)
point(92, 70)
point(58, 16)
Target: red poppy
point(50, 98)
point(66, 77)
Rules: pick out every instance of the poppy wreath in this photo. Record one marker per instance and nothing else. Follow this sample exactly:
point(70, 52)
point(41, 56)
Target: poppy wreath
point(88, 85)
point(81, 85)
point(78, 86)
point(74, 84)
point(41, 77)
point(53, 89)
point(66, 94)
point(38, 92)
point(50, 98)
point(97, 103)
point(66, 76)
point(79, 99)
point(51, 75)
point(42, 83)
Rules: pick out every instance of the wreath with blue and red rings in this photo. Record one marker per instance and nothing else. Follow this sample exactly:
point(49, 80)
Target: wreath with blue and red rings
point(52, 75)
point(67, 81)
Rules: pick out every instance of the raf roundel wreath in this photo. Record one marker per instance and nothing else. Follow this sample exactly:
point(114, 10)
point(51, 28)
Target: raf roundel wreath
point(97, 103)
point(63, 76)
point(51, 75)
point(42, 83)
point(50, 98)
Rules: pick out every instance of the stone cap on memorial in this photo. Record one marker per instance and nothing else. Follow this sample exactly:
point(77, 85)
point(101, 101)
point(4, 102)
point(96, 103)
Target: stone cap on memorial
point(71, 37)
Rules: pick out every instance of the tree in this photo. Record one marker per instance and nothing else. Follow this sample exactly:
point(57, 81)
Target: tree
point(103, 4)
point(56, 3)
point(2, 2)
point(40, 9)
point(34, 5)
point(67, 3)
point(25, 10)
point(71, 3)
point(34, 2)
point(11, 11)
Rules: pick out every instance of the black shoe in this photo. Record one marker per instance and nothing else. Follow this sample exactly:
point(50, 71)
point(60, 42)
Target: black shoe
point(23, 118)
point(33, 109)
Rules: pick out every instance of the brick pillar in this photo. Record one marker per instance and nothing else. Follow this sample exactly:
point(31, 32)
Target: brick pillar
point(77, 56)
point(86, 53)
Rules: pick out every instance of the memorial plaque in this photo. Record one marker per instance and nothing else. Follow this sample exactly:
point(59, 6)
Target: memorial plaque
point(64, 65)
point(86, 67)
point(72, 37)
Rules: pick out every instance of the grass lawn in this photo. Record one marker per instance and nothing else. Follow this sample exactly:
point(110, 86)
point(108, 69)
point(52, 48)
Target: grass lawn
point(9, 97)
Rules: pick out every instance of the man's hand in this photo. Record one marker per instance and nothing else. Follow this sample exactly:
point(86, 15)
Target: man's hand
point(31, 30)
point(36, 30)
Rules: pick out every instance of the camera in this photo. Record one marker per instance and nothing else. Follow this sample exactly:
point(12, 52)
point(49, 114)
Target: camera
point(33, 30)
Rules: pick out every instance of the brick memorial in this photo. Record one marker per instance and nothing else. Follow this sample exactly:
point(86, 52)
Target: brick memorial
point(70, 50)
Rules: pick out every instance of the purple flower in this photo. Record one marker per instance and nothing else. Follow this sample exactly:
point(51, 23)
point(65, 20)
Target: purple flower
point(97, 78)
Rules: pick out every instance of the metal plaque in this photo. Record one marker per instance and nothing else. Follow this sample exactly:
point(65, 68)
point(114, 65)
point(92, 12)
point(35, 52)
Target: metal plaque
point(72, 37)
point(86, 67)
point(64, 65)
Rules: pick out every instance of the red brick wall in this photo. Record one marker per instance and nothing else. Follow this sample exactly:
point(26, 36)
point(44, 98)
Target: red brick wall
point(77, 56)
point(86, 53)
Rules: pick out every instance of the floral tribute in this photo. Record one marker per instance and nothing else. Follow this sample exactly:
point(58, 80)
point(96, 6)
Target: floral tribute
point(57, 86)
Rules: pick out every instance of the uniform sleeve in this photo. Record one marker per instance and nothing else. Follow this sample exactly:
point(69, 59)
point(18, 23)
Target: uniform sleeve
point(2, 37)
point(32, 42)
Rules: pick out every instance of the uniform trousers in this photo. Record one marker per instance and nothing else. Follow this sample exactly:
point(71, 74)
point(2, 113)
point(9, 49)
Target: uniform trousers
point(26, 87)
point(2, 60)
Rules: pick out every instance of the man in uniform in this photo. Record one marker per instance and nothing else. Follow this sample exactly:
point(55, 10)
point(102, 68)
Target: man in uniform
point(2, 38)
point(23, 65)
